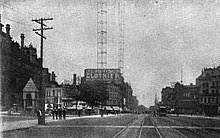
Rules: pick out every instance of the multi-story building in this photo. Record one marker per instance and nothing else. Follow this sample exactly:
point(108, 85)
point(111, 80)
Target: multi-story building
point(134, 105)
point(113, 78)
point(168, 97)
point(120, 93)
point(209, 90)
point(186, 98)
point(19, 63)
point(127, 95)
point(115, 98)
point(54, 95)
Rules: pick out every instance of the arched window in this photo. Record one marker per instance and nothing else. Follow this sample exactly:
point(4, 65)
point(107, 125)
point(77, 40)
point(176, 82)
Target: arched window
point(28, 100)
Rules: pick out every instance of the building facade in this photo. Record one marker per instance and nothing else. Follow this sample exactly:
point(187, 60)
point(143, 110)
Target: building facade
point(209, 90)
point(134, 105)
point(19, 63)
point(168, 95)
point(127, 96)
point(186, 98)
point(114, 92)
point(112, 77)
point(53, 95)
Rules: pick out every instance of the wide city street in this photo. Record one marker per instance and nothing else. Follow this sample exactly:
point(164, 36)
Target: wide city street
point(124, 126)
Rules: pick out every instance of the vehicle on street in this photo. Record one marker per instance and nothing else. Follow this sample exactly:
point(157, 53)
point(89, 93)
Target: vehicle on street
point(162, 111)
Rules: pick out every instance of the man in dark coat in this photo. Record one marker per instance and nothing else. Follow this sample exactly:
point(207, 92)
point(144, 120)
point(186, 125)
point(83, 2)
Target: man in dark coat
point(64, 113)
point(53, 112)
point(60, 113)
point(56, 113)
point(39, 116)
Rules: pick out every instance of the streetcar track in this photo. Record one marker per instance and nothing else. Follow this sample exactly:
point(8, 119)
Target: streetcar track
point(142, 123)
point(192, 129)
point(130, 126)
point(204, 129)
point(157, 130)
point(177, 131)
point(122, 130)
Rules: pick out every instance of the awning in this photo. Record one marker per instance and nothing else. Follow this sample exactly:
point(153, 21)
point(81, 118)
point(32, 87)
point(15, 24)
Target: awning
point(116, 108)
point(108, 108)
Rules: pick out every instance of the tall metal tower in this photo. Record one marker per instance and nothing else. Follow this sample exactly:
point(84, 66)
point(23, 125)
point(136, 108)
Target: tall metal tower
point(121, 10)
point(101, 33)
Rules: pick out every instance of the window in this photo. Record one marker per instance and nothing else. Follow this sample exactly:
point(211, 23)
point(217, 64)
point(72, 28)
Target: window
point(213, 100)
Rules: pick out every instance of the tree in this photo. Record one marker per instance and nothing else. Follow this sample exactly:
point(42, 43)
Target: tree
point(94, 92)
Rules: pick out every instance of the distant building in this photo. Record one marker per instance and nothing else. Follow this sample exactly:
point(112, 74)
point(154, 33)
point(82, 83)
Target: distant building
point(63, 94)
point(209, 90)
point(115, 98)
point(19, 63)
point(186, 98)
point(120, 93)
point(106, 75)
point(113, 78)
point(142, 109)
point(127, 96)
point(134, 105)
point(168, 95)
point(54, 95)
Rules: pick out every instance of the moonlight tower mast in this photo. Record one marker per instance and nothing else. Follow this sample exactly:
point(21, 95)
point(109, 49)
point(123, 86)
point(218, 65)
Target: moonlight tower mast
point(121, 10)
point(101, 33)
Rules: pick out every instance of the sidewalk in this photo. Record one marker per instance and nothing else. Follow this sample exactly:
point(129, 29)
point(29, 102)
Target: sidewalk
point(198, 116)
point(7, 126)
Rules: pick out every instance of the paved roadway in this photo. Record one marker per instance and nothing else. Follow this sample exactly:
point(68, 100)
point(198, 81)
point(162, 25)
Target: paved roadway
point(123, 126)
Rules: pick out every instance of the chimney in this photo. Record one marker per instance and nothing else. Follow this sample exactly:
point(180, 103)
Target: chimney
point(8, 29)
point(53, 77)
point(22, 40)
point(74, 79)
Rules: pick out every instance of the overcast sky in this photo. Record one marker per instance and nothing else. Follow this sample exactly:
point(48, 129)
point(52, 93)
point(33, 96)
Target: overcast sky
point(162, 37)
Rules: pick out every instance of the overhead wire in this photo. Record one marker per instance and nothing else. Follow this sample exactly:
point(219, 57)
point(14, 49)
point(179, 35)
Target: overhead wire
point(13, 7)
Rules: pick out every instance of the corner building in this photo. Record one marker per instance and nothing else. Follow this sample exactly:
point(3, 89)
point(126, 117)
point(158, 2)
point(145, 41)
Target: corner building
point(19, 63)
point(209, 92)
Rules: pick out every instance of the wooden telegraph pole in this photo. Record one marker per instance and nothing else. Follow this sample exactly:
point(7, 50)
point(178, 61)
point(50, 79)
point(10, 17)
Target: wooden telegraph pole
point(41, 103)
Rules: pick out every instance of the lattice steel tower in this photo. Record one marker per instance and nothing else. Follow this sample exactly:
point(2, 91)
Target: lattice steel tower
point(101, 33)
point(121, 11)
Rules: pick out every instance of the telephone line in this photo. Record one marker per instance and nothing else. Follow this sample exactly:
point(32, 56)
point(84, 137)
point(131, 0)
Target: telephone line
point(11, 5)
point(15, 21)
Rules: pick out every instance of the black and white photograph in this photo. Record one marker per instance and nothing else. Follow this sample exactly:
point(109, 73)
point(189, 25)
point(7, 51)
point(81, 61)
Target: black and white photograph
point(110, 69)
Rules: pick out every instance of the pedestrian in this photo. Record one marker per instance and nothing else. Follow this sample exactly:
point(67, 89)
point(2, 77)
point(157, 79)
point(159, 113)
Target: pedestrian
point(39, 116)
point(79, 112)
point(64, 113)
point(60, 113)
point(56, 113)
point(53, 112)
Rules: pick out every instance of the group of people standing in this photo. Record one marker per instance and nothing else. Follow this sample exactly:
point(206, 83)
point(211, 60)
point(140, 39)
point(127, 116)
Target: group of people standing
point(59, 112)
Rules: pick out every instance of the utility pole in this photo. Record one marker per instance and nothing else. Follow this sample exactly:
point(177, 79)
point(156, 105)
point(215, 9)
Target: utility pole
point(41, 103)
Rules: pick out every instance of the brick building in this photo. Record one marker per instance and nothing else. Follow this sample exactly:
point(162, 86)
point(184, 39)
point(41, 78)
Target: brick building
point(168, 95)
point(19, 63)
point(115, 97)
point(186, 98)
